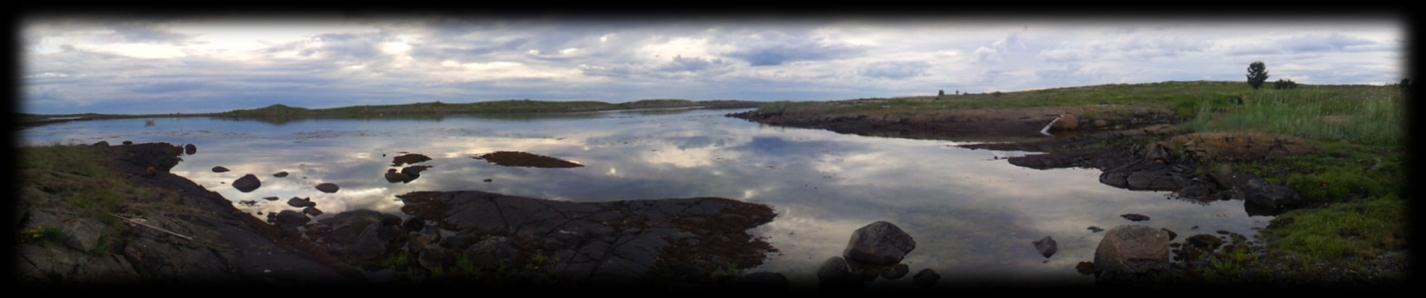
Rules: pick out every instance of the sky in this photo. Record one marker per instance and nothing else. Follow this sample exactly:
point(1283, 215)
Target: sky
point(211, 64)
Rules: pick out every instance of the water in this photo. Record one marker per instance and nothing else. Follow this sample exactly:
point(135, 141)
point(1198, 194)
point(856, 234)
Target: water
point(972, 215)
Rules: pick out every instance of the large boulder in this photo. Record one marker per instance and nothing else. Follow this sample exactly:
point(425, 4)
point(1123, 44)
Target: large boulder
point(1132, 249)
point(1066, 122)
point(879, 244)
point(247, 183)
point(1261, 193)
point(834, 274)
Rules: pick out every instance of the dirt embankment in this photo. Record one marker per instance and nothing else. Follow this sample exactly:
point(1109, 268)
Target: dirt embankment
point(969, 124)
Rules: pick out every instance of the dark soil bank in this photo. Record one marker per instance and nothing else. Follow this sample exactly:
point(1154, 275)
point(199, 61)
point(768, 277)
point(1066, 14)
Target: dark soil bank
point(522, 159)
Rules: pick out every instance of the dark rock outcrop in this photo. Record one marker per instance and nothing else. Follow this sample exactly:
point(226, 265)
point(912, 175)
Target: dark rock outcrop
point(219, 169)
point(1046, 246)
point(301, 202)
point(411, 158)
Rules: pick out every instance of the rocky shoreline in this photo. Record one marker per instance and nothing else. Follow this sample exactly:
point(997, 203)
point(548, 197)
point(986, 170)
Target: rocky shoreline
point(175, 231)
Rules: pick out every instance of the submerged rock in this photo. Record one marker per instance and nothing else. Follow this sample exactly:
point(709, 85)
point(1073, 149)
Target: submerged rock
point(270, 198)
point(1132, 249)
point(190, 149)
point(219, 169)
point(282, 174)
point(328, 187)
point(1135, 217)
point(1046, 246)
point(247, 183)
point(523, 159)
point(300, 202)
point(880, 244)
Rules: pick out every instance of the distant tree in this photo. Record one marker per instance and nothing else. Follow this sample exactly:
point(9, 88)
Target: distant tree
point(996, 94)
point(1284, 84)
point(942, 93)
point(958, 92)
point(1257, 74)
point(1405, 87)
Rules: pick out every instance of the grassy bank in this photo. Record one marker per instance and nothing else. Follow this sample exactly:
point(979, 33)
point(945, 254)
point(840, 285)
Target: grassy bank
point(1352, 180)
point(79, 180)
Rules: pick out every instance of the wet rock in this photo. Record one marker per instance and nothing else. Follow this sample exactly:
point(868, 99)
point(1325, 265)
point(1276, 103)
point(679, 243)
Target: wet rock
point(190, 149)
point(328, 187)
point(880, 243)
point(247, 183)
point(414, 171)
point(834, 274)
point(270, 198)
point(492, 252)
point(313, 211)
point(393, 176)
point(1046, 246)
point(408, 159)
point(1095, 229)
point(248, 203)
point(1204, 241)
point(761, 281)
point(1085, 268)
point(1132, 249)
point(523, 159)
point(288, 221)
point(1135, 217)
point(896, 272)
point(372, 243)
point(282, 174)
point(926, 278)
point(300, 202)
point(219, 169)
point(1154, 180)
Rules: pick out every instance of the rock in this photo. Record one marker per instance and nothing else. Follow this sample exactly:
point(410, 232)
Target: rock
point(328, 187)
point(247, 183)
point(1158, 152)
point(834, 274)
point(491, 252)
point(1135, 217)
point(415, 224)
point(248, 203)
point(1172, 235)
point(190, 149)
point(150, 171)
point(926, 278)
point(414, 171)
point(371, 244)
point(128, 142)
point(761, 281)
point(1100, 123)
point(1046, 246)
point(488, 180)
point(408, 159)
point(1204, 241)
point(270, 198)
point(392, 176)
point(1132, 249)
point(301, 202)
point(1261, 193)
point(313, 211)
point(1095, 229)
point(896, 272)
point(880, 244)
point(282, 174)
point(219, 169)
point(524, 159)
point(288, 221)
point(1066, 122)
point(1154, 180)
point(1085, 268)
point(101, 144)
point(433, 257)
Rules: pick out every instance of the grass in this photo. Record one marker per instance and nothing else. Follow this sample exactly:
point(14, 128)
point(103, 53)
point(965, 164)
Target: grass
point(1342, 233)
point(79, 177)
point(1354, 114)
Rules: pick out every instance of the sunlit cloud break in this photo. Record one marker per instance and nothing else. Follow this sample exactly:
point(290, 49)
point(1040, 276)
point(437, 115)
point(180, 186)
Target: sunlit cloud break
point(74, 65)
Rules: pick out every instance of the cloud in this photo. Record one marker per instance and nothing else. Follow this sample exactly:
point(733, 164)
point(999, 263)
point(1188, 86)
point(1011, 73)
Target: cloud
point(189, 65)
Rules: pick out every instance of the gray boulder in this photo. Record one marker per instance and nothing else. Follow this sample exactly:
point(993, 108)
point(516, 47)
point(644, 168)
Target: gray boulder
point(879, 244)
point(1261, 193)
point(1046, 246)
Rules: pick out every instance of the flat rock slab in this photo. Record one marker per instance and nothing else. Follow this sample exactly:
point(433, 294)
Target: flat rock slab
point(621, 240)
point(522, 159)
point(411, 158)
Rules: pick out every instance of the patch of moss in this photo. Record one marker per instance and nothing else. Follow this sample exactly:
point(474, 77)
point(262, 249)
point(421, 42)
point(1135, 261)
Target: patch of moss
point(41, 235)
point(1343, 232)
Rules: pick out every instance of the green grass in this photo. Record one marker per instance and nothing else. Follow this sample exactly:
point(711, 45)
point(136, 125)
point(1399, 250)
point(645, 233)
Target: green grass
point(79, 177)
point(1340, 172)
point(1353, 114)
point(1344, 232)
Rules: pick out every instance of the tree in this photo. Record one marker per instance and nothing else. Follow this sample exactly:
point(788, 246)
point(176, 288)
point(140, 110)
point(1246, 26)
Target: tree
point(1284, 84)
point(1257, 74)
point(942, 93)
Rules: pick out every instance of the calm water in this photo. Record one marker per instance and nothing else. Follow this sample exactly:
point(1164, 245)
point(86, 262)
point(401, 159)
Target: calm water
point(971, 214)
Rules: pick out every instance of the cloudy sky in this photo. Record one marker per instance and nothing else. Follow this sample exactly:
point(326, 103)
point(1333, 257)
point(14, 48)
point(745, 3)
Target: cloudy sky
point(119, 65)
